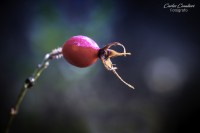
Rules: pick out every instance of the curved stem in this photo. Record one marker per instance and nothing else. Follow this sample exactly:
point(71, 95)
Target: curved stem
point(29, 82)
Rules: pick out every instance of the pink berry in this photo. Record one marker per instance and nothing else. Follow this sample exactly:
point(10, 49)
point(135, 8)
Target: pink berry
point(80, 51)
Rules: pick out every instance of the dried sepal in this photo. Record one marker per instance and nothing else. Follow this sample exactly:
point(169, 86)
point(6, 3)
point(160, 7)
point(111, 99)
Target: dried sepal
point(129, 85)
point(105, 54)
point(108, 64)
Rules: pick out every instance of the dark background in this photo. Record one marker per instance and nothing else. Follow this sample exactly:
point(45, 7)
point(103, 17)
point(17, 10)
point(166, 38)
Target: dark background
point(163, 67)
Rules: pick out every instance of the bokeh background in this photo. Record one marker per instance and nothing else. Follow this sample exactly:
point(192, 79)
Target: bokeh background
point(163, 67)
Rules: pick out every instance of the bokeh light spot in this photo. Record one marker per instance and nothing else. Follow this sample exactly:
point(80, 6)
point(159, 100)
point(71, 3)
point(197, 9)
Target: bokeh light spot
point(163, 75)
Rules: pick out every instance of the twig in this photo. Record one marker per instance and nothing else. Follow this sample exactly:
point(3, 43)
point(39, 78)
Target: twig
point(29, 82)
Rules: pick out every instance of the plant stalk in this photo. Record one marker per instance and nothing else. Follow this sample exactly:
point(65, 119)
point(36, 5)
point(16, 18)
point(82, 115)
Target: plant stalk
point(29, 82)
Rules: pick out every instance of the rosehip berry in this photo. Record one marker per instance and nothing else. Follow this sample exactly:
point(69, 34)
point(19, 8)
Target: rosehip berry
point(82, 51)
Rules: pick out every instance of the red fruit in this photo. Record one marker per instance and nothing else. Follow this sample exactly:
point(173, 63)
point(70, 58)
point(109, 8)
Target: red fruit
point(80, 51)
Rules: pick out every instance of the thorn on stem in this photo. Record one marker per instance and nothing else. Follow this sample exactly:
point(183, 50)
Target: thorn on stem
point(13, 111)
point(46, 64)
point(47, 56)
point(29, 82)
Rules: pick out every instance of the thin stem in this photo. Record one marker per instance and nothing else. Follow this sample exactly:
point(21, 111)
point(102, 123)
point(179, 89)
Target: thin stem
point(29, 82)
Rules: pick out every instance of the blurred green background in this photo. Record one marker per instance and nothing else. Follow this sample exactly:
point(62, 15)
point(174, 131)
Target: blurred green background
point(163, 67)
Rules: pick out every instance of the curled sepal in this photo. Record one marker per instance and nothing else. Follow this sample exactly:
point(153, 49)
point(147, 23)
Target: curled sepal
point(105, 54)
